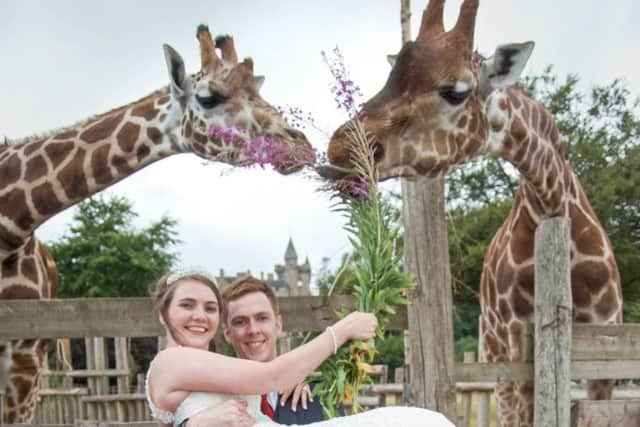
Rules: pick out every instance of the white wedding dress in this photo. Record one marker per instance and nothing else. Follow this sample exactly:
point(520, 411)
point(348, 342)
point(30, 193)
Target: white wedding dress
point(391, 416)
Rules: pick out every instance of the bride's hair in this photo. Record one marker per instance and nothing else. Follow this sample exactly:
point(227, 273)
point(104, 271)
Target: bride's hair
point(164, 288)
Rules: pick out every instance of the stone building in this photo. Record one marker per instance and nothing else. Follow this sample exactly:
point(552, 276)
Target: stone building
point(288, 280)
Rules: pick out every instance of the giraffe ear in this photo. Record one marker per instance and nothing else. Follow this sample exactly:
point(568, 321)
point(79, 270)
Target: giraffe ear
point(392, 59)
point(175, 66)
point(259, 81)
point(503, 69)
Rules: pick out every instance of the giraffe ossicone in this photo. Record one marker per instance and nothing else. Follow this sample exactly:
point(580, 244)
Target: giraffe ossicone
point(42, 175)
point(443, 104)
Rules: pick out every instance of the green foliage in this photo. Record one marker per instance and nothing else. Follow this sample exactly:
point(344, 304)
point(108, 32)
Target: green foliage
point(390, 351)
point(465, 344)
point(470, 232)
point(103, 255)
point(374, 276)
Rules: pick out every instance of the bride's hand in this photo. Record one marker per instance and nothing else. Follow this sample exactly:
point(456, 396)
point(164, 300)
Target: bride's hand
point(230, 413)
point(356, 326)
point(301, 394)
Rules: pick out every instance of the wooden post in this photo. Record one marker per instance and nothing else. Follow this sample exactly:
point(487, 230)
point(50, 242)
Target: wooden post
point(89, 356)
point(430, 312)
point(122, 362)
point(465, 401)
point(553, 306)
point(140, 379)
point(100, 354)
point(426, 257)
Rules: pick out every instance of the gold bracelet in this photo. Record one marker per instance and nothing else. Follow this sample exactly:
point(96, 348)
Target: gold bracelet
point(333, 336)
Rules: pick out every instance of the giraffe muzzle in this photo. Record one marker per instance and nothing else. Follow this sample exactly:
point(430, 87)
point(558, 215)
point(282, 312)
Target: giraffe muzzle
point(332, 172)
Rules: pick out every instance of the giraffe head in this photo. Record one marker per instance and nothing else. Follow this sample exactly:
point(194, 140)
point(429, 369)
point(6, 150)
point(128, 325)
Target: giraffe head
point(225, 94)
point(435, 110)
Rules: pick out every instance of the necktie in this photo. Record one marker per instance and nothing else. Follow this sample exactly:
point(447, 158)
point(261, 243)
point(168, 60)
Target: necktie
point(266, 408)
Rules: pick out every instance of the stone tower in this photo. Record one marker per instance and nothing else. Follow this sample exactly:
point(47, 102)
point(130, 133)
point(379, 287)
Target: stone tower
point(297, 277)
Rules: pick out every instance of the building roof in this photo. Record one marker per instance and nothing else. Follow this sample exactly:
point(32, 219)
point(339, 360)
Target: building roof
point(291, 251)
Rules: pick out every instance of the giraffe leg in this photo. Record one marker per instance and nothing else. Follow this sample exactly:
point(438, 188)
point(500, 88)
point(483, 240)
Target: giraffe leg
point(507, 404)
point(600, 389)
point(525, 403)
point(24, 378)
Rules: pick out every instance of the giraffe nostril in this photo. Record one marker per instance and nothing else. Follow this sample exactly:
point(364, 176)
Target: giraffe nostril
point(295, 134)
point(378, 152)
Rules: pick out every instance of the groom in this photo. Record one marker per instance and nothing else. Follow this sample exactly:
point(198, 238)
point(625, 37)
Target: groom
point(251, 323)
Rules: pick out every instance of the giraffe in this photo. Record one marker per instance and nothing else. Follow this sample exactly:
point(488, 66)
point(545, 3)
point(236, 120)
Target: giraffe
point(40, 176)
point(443, 104)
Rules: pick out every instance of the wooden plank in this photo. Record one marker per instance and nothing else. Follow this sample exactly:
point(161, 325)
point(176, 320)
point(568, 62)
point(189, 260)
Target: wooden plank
point(595, 342)
point(553, 308)
point(606, 413)
point(464, 420)
point(132, 317)
point(483, 410)
point(122, 362)
point(475, 387)
point(100, 356)
point(618, 394)
point(486, 372)
point(90, 360)
point(88, 373)
point(602, 370)
point(114, 397)
point(605, 342)
point(63, 392)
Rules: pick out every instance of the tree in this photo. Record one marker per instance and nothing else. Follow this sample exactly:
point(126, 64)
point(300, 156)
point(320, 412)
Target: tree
point(103, 255)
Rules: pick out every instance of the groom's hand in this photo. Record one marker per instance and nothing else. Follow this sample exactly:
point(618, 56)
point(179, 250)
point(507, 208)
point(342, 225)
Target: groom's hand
point(300, 394)
point(230, 413)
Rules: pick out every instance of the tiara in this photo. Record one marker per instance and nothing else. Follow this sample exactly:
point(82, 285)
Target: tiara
point(183, 272)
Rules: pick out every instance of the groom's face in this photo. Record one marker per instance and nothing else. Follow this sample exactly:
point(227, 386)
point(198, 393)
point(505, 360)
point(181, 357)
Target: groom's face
point(252, 327)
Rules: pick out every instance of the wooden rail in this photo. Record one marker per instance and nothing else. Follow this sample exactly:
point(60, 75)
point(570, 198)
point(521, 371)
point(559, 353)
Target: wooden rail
point(132, 317)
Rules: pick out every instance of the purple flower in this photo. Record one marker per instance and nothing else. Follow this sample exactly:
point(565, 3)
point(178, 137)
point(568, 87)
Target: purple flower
point(260, 150)
point(345, 91)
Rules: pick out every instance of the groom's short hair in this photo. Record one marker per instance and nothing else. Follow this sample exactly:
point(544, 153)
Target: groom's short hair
point(247, 285)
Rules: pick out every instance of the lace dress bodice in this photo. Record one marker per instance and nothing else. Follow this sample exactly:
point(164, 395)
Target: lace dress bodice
point(196, 402)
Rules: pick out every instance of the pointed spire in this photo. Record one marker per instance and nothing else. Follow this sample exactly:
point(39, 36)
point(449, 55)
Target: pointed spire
point(291, 251)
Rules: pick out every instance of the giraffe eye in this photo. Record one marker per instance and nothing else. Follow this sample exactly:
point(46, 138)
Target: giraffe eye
point(211, 101)
point(453, 97)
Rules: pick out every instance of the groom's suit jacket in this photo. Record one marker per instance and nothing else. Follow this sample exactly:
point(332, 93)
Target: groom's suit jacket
point(313, 413)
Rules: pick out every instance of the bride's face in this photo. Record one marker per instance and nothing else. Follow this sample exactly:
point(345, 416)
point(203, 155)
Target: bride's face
point(193, 314)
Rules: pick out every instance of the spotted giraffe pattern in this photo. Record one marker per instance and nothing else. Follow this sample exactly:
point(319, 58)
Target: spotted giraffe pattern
point(41, 176)
point(444, 104)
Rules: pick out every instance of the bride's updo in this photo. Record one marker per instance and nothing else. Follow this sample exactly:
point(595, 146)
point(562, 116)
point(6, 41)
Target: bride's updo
point(162, 293)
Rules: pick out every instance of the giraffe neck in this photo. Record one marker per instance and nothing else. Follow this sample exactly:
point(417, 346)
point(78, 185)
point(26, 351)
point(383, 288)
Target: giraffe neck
point(40, 177)
point(531, 142)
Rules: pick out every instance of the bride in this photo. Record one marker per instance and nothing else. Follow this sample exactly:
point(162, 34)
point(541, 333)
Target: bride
point(186, 378)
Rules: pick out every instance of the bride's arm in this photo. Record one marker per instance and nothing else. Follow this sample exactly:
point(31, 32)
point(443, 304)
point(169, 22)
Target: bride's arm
point(180, 369)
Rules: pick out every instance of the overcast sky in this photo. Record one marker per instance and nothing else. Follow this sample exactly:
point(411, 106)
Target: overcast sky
point(65, 60)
